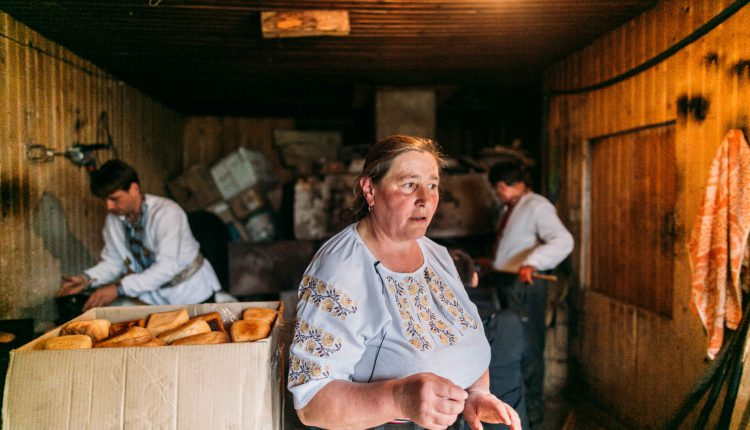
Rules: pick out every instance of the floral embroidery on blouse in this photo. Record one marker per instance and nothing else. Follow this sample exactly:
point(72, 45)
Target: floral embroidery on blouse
point(438, 327)
point(314, 340)
point(302, 371)
point(448, 298)
point(413, 331)
point(326, 297)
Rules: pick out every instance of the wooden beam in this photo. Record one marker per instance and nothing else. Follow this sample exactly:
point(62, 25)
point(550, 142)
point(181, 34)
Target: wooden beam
point(304, 23)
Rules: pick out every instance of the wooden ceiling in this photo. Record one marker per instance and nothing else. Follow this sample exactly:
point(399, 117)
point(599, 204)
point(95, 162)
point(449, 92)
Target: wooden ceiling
point(209, 56)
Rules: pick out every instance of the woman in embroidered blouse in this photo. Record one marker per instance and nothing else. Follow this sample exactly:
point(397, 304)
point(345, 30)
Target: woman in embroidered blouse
point(385, 331)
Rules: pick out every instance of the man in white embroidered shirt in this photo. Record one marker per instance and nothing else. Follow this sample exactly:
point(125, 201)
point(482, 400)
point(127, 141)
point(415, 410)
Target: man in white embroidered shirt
point(530, 239)
point(149, 255)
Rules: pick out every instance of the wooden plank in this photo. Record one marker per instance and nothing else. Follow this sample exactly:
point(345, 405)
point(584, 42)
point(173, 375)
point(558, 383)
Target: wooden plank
point(305, 23)
point(613, 324)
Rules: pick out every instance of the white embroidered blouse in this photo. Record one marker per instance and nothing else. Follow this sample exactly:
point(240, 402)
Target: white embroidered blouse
point(359, 321)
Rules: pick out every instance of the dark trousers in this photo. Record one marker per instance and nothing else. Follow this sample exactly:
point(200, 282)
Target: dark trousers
point(505, 334)
point(529, 302)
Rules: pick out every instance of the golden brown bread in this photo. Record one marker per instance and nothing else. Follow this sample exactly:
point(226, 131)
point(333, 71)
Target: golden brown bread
point(71, 341)
point(260, 314)
point(213, 319)
point(249, 330)
point(120, 327)
point(164, 321)
point(190, 328)
point(96, 329)
point(210, 338)
point(143, 341)
point(131, 333)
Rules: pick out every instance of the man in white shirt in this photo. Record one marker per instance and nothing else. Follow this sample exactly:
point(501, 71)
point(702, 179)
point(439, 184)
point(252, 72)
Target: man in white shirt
point(530, 239)
point(149, 254)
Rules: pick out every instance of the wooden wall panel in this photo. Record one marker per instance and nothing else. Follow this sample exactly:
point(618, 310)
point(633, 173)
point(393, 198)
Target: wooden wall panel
point(207, 139)
point(50, 225)
point(668, 354)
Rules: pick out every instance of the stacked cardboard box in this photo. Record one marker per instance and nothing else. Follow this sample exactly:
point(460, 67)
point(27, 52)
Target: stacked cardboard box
point(235, 189)
point(231, 385)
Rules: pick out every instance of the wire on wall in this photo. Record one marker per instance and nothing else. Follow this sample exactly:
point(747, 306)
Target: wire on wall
point(692, 37)
point(91, 73)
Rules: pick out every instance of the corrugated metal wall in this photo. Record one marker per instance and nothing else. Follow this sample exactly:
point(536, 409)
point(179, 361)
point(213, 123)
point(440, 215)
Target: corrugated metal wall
point(49, 223)
point(666, 356)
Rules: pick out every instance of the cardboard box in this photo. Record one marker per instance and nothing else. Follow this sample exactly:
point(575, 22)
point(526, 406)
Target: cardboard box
point(260, 227)
point(300, 150)
point(221, 209)
point(323, 208)
point(232, 385)
point(240, 170)
point(194, 189)
point(247, 202)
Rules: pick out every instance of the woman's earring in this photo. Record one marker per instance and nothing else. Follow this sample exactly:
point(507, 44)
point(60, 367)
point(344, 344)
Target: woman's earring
point(369, 208)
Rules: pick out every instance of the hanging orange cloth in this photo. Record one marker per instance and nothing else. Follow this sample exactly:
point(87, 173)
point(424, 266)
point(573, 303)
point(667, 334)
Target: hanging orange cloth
point(719, 238)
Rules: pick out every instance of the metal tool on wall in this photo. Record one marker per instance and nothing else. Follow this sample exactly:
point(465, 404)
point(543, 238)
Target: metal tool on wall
point(80, 154)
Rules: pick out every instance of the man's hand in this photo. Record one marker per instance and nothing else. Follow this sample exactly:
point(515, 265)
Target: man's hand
point(485, 407)
point(73, 284)
point(101, 297)
point(429, 400)
point(526, 274)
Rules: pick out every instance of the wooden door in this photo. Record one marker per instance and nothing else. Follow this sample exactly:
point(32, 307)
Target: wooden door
point(632, 217)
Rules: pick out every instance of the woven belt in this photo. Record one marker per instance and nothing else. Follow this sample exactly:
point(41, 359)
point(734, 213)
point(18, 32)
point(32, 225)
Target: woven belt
point(186, 273)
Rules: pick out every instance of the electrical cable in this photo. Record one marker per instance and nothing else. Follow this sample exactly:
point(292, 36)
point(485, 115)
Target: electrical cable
point(692, 37)
point(30, 45)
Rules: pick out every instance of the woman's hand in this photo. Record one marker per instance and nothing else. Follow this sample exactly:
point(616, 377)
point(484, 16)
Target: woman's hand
point(429, 400)
point(484, 407)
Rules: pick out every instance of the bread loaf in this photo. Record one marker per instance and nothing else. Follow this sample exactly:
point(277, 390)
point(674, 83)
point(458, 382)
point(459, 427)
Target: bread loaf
point(210, 338)
point(190, 328)
point(214, 321)
point(249, 330)
point(71, 341)
point(96, 329)
point(120, 327)
point(260, 314)
point(164, 321)
point(140, 341)
point(130, 333)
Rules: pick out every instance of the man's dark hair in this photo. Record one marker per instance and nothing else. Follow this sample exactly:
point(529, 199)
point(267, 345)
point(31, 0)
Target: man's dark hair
point(114, 175)
point(509, 172)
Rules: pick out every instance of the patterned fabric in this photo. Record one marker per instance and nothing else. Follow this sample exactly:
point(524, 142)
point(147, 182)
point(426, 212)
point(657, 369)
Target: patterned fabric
point(449, 300)
point(302, 371)
point(315, 340)
point(410, 292)
point(413, 330)
point(719, 238)
point(326, 297)
point(135, 233)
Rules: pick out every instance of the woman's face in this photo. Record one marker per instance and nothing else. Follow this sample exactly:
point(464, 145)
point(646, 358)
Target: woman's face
point(406, 198)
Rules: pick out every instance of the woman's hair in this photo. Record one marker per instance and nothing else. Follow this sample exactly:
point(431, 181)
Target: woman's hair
point(380, 157)
point(114, 175)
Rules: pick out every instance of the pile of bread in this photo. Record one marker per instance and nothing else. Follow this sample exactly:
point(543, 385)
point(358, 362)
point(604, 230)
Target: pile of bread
point(164, 328)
